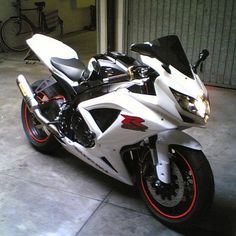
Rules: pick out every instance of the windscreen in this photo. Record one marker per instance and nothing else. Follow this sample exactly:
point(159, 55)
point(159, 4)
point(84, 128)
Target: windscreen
point(169, 50)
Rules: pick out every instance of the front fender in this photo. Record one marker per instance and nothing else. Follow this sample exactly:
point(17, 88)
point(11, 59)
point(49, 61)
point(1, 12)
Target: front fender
point(166, 138)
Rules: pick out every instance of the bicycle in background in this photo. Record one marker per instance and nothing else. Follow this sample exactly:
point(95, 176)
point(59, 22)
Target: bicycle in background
point(16, 29)
point(1, 46)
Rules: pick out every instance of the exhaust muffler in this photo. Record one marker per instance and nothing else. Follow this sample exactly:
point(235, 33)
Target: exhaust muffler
point(33, 105)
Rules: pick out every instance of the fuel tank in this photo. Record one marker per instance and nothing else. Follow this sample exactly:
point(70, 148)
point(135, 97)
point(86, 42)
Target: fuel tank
point(110, 64)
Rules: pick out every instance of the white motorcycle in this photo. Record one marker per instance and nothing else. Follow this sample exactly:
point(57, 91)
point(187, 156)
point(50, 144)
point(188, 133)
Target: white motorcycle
point(126, 118)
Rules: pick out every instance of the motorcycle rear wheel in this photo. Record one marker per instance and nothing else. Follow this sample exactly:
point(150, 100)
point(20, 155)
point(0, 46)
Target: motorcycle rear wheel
point(189, 195)
point(34, 131)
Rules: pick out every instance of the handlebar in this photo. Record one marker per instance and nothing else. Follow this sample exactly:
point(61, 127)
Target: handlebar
point(116, 78)
point(134, 72)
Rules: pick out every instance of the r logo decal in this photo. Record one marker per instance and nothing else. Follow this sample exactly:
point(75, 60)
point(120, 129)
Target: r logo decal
point(133, 123)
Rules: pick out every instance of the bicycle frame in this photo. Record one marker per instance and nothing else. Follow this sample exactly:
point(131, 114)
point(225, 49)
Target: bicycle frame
point(25, 27)
point(40, 25)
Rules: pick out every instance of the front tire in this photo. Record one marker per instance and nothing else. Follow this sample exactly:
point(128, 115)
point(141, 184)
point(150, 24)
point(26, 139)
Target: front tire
point(190, 193)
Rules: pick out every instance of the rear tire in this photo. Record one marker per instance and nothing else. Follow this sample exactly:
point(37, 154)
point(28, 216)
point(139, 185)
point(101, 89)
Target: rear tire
point(14, 33)
point(34, 131)
point(190, 194)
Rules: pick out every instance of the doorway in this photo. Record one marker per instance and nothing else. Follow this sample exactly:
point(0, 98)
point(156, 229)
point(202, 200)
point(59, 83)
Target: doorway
point(83, 40)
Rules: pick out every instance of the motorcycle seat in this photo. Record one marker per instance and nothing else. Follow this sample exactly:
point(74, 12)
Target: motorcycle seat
point(73, 68)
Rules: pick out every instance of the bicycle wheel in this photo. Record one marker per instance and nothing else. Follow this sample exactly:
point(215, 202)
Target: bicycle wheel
point(14, 33)
point(56, 31)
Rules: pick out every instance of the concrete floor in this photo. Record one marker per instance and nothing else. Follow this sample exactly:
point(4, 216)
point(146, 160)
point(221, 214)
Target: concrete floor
point(59, 195)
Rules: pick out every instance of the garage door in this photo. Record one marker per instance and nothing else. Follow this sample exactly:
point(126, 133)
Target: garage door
point(199, 24)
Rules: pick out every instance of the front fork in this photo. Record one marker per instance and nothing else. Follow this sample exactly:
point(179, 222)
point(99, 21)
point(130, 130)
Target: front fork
point(159, 147)
point(161, 160)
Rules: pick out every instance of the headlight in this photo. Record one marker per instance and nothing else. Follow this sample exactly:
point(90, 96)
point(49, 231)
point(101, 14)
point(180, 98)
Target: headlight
point(199, 106)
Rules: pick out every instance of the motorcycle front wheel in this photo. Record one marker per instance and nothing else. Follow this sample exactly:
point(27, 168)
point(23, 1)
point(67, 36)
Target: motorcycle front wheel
point(190, 193)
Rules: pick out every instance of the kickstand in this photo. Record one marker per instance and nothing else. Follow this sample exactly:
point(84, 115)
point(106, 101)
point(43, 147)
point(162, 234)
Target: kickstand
point(30, 57)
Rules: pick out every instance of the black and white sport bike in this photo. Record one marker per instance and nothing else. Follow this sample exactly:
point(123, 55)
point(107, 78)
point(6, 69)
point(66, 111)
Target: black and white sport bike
point(126, 118)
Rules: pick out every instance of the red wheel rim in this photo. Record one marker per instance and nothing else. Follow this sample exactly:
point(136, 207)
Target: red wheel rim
point(29, 128)
point(158, 210)
point(36, 134)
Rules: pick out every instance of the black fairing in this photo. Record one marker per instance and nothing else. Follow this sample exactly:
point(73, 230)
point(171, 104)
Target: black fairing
point(168, 50)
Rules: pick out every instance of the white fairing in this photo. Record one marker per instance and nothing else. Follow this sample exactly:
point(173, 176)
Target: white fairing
point(109, 143)
point(176, 80)
point(46, 48)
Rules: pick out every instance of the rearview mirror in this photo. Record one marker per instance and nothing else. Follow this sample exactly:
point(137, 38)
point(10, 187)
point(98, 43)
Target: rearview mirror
point(203, 54)
point(202, 57)
point(143, 49)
